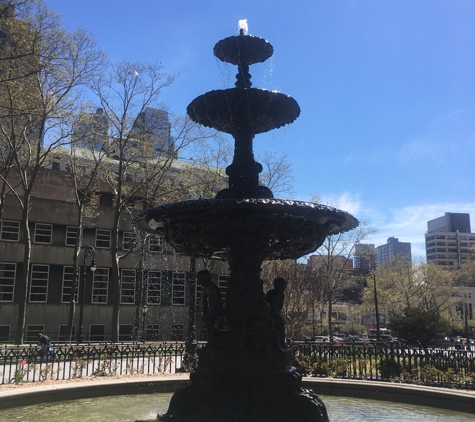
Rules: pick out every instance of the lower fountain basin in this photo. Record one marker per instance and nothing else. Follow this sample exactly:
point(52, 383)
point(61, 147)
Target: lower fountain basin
point(276, 228)
point(132, 407)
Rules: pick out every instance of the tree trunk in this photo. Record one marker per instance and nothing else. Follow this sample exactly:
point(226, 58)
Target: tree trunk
point(115, 279)
point(25, 273)
point(330, 308)
point(115, 298)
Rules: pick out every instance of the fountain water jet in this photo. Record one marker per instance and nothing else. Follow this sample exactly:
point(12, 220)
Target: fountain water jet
point(244, 376)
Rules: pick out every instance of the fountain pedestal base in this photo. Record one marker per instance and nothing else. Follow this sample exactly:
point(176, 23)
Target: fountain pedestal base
point(244, 394)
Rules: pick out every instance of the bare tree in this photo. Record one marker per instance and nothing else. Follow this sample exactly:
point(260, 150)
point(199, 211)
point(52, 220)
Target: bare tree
point(300, 295)
point(39, 94)
point(332, 266)
point(204, 174)
point(140, 169)
point(84, 158)
point(277, 175)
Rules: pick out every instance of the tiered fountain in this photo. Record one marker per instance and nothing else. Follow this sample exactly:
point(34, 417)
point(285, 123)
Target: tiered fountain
point(245, 375)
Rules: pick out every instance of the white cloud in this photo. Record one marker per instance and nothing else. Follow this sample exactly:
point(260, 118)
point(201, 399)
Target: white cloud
point(409, 224)
point(346, 201)
point(420, 149)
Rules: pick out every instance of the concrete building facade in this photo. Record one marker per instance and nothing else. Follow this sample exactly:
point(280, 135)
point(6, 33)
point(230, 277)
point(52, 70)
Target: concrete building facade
point(364, 257)
point(449, 240)
point(162, 275)
point(392, 250)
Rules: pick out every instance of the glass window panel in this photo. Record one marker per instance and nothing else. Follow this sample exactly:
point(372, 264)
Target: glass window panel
point(10, 230)
point(154, 287)
point(178, 288)
point(43, 233)
point(7, 281)
point(103, 238)
point(39, 283)
point(127, 292)
point(100, 284)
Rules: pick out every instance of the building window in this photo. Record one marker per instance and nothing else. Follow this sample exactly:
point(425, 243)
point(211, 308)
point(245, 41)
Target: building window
point(63, 331)
point(178, 288)
point(97, 332)
point(4, 333)
point(32, 332)
point(100, 283)
point(177, 332)
point(106, 200)
point(56, 166)
point(154, 287)
point(10, 230)
point(39, 283)
point(71, 235)
point(152, 332)
point(103, 238)
point(198, 292)
point(155, 244)
point(68, 279)
point(127, 291)
point(125, 332)
point(7, 281)
point(223, 285)
point(128, 241)
point(43, 233)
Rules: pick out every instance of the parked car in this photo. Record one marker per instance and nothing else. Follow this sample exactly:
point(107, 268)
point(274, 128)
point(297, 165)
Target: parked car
point(321, 339)
point(383, 338)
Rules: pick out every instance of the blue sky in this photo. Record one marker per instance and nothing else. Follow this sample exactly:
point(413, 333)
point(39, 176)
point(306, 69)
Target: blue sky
point(386, 89)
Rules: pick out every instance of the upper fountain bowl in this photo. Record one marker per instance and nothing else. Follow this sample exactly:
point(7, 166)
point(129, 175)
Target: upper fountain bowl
point(243, 50)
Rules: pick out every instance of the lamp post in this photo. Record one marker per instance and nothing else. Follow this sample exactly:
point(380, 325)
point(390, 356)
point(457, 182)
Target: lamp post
point(88, 252)
point(373, 276)
point(466, 315)
point(144, 317)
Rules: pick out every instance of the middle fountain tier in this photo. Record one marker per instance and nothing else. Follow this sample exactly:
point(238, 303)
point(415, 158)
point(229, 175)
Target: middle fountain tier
point(244, 374)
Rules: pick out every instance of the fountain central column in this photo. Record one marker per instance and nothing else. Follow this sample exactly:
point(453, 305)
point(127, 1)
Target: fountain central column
point(245, 373)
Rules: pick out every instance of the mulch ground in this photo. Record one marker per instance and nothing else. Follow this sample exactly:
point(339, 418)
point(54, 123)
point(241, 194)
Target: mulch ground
point(82, 379)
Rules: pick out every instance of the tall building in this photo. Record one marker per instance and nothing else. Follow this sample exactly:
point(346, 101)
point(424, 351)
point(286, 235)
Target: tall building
point(449, 239)
point(92, 130)
point(392, 250)
point(154, 124)
point(364, 257)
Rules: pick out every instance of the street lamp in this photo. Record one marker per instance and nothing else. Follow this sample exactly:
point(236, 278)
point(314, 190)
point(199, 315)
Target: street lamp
point(89, 252)
point(466, 315)
point(144, 316)
point(373, 276)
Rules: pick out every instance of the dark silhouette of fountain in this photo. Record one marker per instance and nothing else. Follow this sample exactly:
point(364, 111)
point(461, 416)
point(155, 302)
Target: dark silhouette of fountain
point(244, 374)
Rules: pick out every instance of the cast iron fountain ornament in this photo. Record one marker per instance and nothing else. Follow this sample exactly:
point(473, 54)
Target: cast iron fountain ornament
point(244, 375)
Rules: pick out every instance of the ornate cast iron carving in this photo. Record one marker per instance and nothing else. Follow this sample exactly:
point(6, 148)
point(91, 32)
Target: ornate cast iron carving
point(245, 373)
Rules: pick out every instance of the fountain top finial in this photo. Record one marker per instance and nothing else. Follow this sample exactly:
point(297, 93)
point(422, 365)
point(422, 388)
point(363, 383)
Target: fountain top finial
point(243, 28)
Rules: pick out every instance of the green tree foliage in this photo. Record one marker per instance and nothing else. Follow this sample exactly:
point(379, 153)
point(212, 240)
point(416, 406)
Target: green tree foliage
point(419, 325)
point(405, 284)
point(465, 276)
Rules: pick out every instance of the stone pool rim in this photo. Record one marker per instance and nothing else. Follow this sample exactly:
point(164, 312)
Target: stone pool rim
point(457, 400)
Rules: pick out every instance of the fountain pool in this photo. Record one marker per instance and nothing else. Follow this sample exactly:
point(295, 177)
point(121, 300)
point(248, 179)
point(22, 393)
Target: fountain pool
point(133, 407)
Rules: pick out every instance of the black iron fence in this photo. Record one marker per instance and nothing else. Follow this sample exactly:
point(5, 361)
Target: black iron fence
point(66, 361)
point(445, 367)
